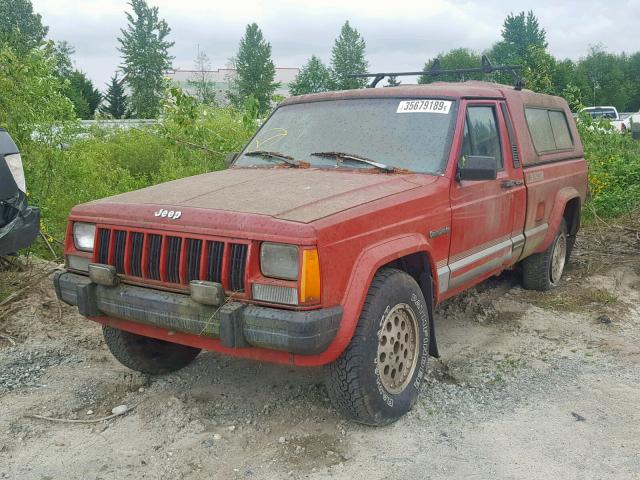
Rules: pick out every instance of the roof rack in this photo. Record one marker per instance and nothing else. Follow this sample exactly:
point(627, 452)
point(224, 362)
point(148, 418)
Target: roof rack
point(435, 70)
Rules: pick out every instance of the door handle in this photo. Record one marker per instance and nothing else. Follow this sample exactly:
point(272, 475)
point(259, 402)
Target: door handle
point(511, 183)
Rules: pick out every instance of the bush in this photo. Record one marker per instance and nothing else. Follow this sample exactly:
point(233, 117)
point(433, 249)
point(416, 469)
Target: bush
point(614, 168)
point(198, 136)
point(31, 97)
point(136, 150)
point(59, 179)
point(100, 162)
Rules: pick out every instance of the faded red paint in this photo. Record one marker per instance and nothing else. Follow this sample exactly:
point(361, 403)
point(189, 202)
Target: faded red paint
point(360, 221)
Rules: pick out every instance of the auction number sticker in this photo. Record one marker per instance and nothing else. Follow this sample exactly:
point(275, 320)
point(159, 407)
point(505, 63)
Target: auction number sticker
point(421, 106)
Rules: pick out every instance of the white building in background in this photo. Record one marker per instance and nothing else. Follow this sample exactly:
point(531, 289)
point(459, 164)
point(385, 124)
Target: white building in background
point(222, 77)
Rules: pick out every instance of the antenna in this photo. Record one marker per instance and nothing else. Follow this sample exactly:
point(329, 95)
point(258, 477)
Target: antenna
point(486, 67)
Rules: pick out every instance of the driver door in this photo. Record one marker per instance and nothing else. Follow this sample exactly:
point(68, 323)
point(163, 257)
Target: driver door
point(481, 224)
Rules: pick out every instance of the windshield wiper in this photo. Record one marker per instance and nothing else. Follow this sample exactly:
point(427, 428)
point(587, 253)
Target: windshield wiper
point(274, 156)
point(342, 157)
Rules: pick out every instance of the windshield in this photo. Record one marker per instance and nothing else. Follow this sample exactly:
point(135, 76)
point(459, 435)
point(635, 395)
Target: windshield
point(604, 113)
point(407, 134)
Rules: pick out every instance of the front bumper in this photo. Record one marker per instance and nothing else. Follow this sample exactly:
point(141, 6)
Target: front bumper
point(236, 324)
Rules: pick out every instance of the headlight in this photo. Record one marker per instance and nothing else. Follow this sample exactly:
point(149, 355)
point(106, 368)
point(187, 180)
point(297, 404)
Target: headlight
point(83, 236)
point(278, 260)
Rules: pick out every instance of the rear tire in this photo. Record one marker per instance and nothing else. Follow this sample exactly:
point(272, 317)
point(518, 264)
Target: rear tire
point(543, 271)
point(145, 354)
point(378, 377)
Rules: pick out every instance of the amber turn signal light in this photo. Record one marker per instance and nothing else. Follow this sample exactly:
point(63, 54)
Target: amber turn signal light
point(310, 276)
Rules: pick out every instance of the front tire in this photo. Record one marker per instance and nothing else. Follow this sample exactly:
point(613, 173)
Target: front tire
point(542, 271)
point(145, 354)
point(378, 377)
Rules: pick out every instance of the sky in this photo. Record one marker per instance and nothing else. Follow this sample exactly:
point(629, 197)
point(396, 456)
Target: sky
point(400, 35)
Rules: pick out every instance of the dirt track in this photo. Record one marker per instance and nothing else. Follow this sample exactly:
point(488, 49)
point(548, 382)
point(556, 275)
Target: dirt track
point(529, 385)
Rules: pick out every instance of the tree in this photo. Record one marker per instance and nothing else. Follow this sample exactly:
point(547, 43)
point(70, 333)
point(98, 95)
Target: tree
point(313, 77)
point(633, 72)
point(115, 99)
point(61, 53)
point(80, 104)
point(520, 31)
point(393, 81)
point(145, 57)
point(255, 71)
point(458, 58)
point(347, 58)
point(539, 70)
point(524, 43)
point(573, 96)
point(32, 97)
point(76, 86)
point(602, 78)
point(202, 84)
point(19, 26)
point(563, 75)
point(83, 94)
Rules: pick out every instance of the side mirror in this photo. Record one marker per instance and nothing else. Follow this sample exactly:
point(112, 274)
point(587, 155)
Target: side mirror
point(477, 167)
point(229, 159)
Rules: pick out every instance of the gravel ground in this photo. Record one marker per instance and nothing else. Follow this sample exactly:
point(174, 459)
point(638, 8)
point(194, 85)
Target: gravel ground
point(23, 368)
point(529, 386)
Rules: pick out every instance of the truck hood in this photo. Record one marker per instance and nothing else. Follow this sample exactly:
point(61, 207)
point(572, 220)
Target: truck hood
point(298, 195)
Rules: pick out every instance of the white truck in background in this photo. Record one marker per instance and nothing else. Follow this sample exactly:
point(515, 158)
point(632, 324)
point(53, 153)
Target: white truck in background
point(621, 123)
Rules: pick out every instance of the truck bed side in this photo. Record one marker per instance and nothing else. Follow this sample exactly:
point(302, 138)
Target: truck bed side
point(555, 178)
point(549, 189)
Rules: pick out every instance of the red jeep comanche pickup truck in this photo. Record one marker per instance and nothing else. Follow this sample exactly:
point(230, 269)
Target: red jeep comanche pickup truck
point(332, 235)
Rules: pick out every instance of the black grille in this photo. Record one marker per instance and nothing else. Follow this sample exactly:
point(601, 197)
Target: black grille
point(121, 241)
point(236, 268)
point(215, 252)
point(173, 259)
point(194, 248)
point(145, 255)
point(153, 263)
point(135, 259)
point(104, 236)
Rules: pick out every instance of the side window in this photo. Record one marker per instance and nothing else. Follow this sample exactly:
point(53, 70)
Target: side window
point(540, 128)
point(480, 136)
point(549, 130)
point(560, 130)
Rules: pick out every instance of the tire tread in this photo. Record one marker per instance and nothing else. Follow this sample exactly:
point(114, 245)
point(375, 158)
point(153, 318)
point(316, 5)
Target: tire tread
point(535, 268)
point(343, 376)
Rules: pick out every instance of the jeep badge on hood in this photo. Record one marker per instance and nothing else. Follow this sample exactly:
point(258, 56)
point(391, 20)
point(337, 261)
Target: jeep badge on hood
point(168, 213)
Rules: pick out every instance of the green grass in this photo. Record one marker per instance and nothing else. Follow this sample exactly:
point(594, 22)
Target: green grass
point(579, 300)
